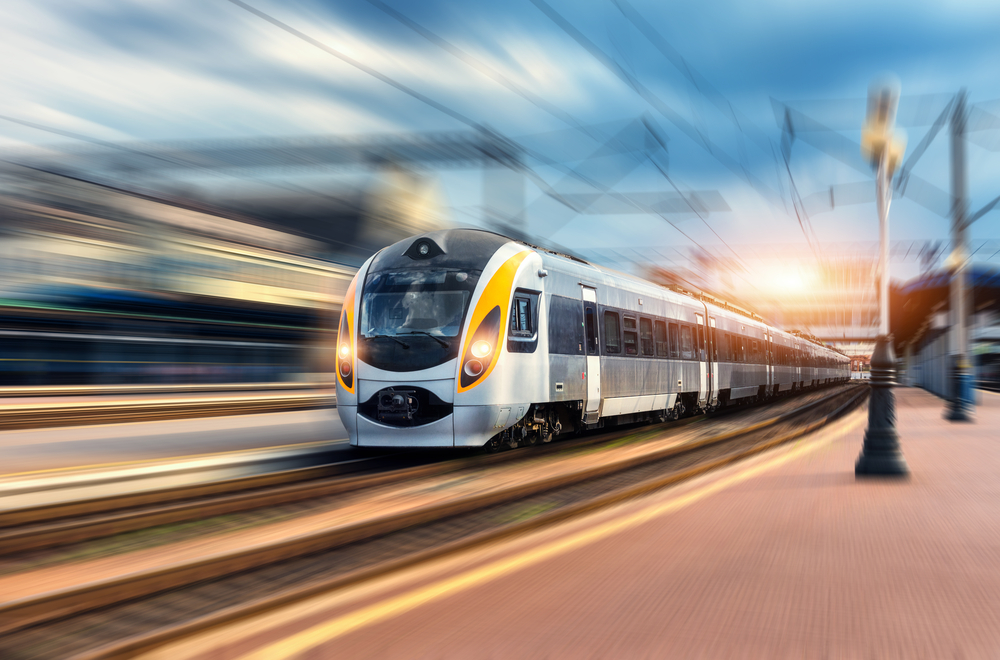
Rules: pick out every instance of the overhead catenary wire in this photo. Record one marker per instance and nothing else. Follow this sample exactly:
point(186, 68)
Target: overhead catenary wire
point(458, 116)
point(697, 80)
point(485, 69)
point(543, 185)
point(694, 210)
point(669, 113)
point(718, 99)
point(745, 125)
point(655, 101)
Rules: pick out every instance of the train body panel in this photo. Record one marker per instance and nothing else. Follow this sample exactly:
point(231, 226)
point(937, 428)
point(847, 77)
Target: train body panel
point(463, 338)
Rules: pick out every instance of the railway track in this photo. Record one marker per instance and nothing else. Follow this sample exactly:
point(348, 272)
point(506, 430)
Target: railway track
point(41, 411)
point(222, 588)
point(63, 523)
point(74, 521)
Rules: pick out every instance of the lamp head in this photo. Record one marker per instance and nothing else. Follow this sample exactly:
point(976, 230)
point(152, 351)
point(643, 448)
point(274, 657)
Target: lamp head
point(878, 136)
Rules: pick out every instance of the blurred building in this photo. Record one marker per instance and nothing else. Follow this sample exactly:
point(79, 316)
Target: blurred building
point(921, 320)
point(833, 299)
point(101, 284)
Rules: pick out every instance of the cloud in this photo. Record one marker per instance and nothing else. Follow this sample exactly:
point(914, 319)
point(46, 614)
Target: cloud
point(181, 69)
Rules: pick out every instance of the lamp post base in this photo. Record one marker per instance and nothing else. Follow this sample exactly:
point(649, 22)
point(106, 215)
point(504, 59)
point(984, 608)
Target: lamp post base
point(880, 453)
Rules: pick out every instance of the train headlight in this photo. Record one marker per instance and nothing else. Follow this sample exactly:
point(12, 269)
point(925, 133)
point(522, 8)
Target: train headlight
point(479, 355)
point(345, 368)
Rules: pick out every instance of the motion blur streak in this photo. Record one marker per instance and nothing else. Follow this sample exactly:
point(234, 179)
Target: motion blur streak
point(105, 284)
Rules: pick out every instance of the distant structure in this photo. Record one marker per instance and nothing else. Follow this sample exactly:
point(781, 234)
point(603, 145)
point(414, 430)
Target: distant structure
point(922, 323)
point(835, 300)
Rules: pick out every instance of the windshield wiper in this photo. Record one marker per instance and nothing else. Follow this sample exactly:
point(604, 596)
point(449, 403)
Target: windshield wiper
point(392, 337)
point(434, 337)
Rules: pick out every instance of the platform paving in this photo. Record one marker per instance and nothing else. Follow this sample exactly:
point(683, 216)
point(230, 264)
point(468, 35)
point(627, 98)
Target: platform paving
point(783, 556)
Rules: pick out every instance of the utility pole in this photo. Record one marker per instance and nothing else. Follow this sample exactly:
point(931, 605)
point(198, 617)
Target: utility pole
point(960, 404)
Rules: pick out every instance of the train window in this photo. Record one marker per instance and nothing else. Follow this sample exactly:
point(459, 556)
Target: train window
point(687, 342)
point(631, 336)
point(715, 345)
point(700, 347)
point(756, 354)
point(675, 342)
point(566, 324)
point(646, 336)
point(591, 323)
point(612, 339)
point(523, 334)
point(742, 348)
point(660, 335)
point(522, 322)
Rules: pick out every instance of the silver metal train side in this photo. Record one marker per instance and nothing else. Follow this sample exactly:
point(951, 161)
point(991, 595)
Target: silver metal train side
point(463, 338)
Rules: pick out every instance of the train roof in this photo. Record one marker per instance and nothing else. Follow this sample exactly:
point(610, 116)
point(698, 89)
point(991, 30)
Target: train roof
point(486, 240)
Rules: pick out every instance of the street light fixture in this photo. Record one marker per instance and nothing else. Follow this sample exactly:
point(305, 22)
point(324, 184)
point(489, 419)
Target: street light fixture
point(880, 453)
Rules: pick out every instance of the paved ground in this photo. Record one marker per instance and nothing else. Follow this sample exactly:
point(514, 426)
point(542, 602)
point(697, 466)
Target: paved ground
point(783, 556)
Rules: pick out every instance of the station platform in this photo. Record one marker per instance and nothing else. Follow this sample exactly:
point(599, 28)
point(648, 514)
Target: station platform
point(787, 555)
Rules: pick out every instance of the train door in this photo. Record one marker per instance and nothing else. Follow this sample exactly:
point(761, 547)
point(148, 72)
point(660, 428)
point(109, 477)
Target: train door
point(703, 364)
point(713, 363)
point(769, 345)
point(593, 351)
point(797, 371)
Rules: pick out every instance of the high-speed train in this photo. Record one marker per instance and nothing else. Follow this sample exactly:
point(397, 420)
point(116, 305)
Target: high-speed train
point(465, 338)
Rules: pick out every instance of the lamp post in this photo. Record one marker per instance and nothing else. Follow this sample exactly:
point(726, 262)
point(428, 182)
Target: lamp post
point(880, 453)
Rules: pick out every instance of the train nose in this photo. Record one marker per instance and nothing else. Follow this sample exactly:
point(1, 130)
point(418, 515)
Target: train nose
point(403, 415)
point(404, 406)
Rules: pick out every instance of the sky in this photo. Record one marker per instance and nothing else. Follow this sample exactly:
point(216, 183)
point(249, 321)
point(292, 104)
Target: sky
point(156, 70)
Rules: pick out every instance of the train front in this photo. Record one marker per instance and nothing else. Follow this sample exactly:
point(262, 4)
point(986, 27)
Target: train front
point(420, 333)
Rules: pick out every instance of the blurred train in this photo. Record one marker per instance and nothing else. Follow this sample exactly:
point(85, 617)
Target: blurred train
point(84, 335)
point(466, 338)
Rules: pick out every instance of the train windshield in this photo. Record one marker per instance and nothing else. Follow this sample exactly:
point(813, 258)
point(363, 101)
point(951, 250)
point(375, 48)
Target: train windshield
point(416, 302)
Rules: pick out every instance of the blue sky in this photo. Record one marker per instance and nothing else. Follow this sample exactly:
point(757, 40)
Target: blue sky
point(166, 70)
